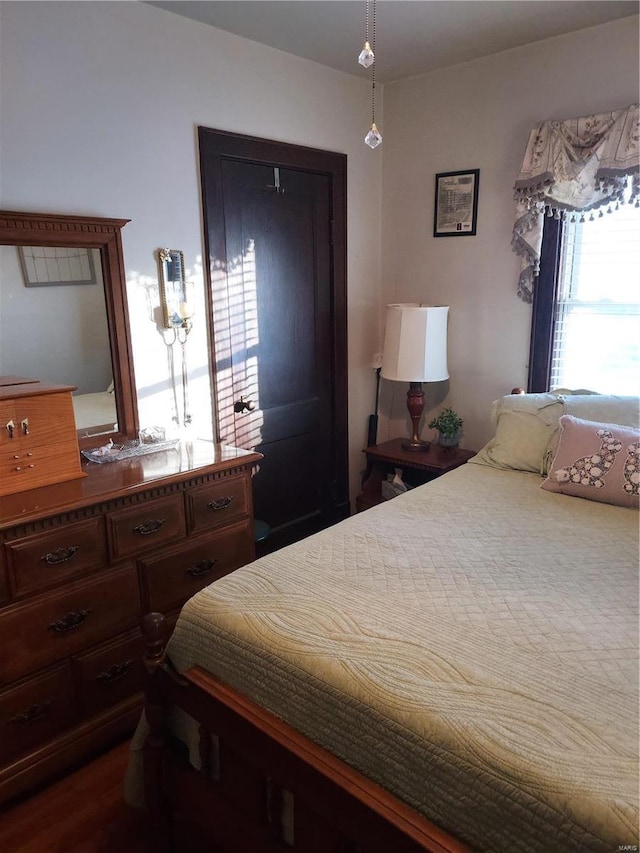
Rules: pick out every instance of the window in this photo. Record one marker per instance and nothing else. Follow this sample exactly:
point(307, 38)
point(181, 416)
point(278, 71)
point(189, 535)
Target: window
point(586, 317)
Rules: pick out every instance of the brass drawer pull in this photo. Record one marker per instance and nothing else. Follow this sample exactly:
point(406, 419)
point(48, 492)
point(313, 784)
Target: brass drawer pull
point(32, 714)
point(149, 527)
point(114, 673)
point(61, 555)
point(203, 567)
point(220, 503)
point(69, 622)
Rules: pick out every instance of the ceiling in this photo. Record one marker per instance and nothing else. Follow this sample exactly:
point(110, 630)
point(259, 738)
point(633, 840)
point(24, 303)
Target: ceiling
point(412, 36)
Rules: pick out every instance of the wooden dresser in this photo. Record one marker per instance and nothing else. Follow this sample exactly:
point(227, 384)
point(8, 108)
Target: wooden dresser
point(80, 563)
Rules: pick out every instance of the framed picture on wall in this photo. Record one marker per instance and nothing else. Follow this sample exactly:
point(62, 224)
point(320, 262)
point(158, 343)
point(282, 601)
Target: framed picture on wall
point(456, 205)
point(43, 266)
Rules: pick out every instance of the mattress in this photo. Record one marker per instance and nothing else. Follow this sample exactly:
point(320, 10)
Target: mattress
point(96, 409)
point(471, 645)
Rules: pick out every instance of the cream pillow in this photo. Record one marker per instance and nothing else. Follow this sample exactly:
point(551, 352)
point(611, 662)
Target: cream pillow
point(525, 424)
point(596, 461)
point(623, 410)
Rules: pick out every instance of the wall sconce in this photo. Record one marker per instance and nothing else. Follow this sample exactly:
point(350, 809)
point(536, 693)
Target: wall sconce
point(415, 351)
point(177, 315)
point(176, 311)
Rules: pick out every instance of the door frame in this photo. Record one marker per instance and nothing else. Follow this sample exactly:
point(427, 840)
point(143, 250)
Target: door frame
point(218, 145)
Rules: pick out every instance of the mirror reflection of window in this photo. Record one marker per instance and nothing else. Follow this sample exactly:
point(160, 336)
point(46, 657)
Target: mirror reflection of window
point(57, 265)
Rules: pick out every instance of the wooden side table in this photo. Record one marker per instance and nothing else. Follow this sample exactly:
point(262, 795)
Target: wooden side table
point(418, 467)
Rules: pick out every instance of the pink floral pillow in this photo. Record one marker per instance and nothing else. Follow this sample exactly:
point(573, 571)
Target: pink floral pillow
point(600, 462)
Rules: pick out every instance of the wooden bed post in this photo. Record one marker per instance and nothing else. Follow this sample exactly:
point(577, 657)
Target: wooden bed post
point(154, 630)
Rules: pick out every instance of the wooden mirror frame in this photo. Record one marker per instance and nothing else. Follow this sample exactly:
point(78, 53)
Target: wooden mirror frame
point(43, 229)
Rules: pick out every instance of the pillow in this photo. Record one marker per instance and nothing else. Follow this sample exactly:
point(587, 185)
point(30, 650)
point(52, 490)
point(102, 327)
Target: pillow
point(604, 408)
point(596, 461)
point(525, 424)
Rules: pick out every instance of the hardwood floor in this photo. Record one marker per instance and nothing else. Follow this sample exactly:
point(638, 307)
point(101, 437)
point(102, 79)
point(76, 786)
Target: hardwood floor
point(82, 813)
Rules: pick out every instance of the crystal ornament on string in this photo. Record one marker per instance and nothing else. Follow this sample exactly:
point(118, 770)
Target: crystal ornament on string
point(366, 57)
point(374, 137)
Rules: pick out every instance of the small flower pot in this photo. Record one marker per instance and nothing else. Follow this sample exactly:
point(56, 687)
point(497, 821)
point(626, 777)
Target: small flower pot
point(449, 440)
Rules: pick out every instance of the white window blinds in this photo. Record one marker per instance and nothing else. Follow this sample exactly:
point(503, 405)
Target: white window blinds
point(596, 341)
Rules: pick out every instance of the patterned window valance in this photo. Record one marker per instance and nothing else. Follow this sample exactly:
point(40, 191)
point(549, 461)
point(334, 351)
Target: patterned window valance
point(572, 167)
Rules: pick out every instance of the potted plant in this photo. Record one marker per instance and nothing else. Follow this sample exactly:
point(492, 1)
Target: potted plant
point(449, 426)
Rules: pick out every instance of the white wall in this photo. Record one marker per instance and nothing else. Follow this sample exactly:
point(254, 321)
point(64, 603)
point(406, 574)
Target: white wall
point(478, 115)
point(99, 105)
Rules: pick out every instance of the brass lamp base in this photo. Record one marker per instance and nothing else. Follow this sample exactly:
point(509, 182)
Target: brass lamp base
point(415, 444)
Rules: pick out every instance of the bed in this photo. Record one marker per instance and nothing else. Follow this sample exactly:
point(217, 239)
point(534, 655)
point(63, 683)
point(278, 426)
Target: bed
point(95, 411)
point(462, 661)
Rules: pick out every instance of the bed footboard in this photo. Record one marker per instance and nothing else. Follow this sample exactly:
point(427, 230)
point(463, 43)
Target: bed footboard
point(262, 785)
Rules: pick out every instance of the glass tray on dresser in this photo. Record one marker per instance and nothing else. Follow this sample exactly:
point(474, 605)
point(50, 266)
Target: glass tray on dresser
point(117, 452)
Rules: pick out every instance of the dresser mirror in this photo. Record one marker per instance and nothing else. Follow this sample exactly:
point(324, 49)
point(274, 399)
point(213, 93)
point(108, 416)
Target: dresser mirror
point(64, 316)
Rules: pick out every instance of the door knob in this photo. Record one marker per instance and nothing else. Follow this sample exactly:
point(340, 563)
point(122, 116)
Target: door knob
point(242, 405)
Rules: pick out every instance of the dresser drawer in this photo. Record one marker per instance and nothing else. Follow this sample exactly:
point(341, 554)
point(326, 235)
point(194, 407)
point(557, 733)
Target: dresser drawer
point(109, 674)
point(33, 713)
point(51, 627)
point(218, 503)
point(51, 558)
point(174, 577)
point(141, 528)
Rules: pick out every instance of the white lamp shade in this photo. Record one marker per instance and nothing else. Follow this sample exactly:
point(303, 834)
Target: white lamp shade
point(415, 343)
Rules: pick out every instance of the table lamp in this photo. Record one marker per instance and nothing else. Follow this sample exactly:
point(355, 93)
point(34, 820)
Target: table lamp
point(415, 351)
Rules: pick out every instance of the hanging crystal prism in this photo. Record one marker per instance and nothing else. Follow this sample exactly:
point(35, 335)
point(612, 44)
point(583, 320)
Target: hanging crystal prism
point(374, 137)
point(366, 57)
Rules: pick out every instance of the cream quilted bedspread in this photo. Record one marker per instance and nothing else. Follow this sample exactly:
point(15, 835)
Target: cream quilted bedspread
point(471, 645)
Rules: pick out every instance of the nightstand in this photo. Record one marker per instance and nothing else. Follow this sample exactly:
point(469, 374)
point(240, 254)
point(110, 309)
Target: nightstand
point(418, 466)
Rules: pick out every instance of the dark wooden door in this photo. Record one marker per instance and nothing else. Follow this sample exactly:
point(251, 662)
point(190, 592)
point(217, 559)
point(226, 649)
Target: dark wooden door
point(278, 305)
